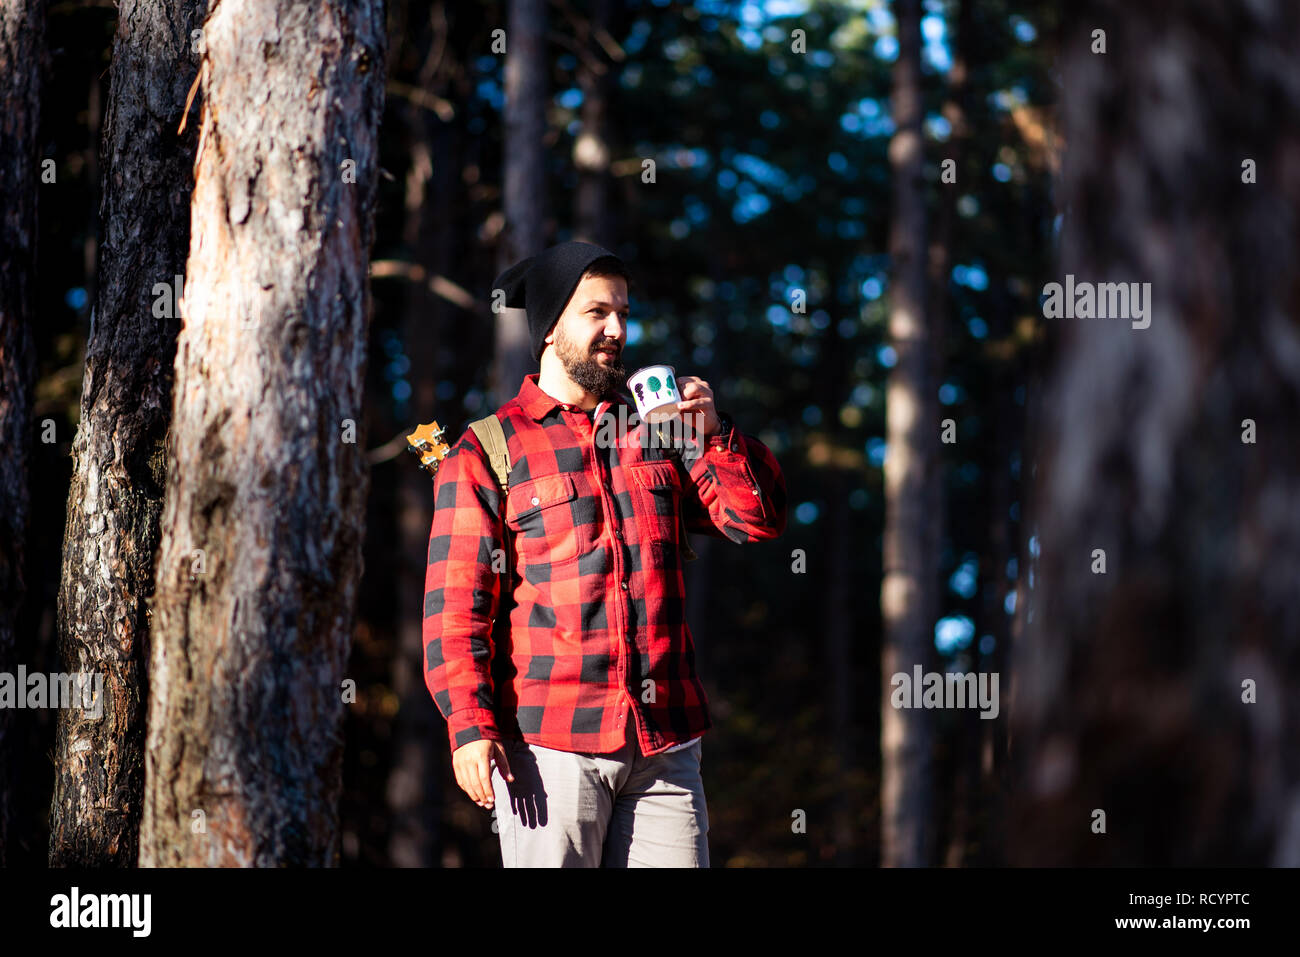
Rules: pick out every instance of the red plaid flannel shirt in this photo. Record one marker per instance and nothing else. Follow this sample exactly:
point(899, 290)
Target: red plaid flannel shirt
point(598, 629)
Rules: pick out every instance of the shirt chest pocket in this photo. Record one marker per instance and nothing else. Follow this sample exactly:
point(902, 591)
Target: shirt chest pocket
point(540, 514)
point(656, 500)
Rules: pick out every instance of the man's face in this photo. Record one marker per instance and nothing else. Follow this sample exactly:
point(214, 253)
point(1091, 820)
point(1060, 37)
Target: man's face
point(590, 335)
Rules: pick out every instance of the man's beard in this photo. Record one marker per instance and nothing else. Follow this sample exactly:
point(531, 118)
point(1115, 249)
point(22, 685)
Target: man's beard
point(587, 369)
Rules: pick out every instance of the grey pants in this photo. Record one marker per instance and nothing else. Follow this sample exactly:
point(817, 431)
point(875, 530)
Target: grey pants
point(568, 809)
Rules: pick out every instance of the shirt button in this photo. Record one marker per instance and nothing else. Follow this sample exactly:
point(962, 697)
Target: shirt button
point(618, 533)
point(536, 500)
point(623, 585)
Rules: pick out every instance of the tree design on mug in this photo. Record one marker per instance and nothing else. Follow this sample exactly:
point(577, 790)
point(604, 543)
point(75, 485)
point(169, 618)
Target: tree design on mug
point(654, 385)
point(640, 393)
point(672, 386)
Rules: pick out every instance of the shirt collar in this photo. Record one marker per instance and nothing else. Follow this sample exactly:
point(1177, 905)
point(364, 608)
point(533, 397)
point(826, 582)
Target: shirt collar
point(538, 404)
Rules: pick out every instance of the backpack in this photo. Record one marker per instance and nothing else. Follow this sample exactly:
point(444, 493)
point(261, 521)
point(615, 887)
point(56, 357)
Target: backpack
point(489, 432)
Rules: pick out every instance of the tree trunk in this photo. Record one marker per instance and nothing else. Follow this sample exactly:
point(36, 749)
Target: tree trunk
point(1133, 695)
point(22, 48)
point(415, 781)
point(116, 494)
point(1005, 437)
point(841, 583)
point(592, 147)
point(967, 726)
point(842, 590)
point(262, 527)
point(525, 183)
point(908, 598)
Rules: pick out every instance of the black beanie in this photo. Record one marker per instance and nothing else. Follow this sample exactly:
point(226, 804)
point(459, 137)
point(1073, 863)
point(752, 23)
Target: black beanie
point(543, 284)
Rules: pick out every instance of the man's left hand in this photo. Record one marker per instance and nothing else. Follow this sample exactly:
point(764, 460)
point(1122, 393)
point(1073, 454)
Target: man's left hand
point(697, 400)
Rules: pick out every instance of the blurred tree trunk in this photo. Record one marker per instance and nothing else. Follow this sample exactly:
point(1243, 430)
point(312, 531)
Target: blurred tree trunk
point(962, 790)
point(22, 50)
point(839, 569)
point(987, 744)
point(908, 592)
point(841, 590)
point(953, 790)
point(115, 499)
point(592, 147)
point(1130, 697)
point(261, 550)
point(415, 780)
point(524, 232)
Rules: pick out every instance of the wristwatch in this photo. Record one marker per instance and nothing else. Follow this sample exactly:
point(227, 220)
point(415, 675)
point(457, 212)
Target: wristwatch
point(723, 434)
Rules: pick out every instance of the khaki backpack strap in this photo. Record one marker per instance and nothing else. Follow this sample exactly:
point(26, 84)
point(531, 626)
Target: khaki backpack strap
point(489, 432)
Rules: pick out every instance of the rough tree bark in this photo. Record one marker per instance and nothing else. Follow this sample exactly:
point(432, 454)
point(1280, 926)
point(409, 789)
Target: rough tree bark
point(1130, 691)
point(908, 591)
point(525, 182)
point(22, 46)
point(260, 560)
point(116, 494)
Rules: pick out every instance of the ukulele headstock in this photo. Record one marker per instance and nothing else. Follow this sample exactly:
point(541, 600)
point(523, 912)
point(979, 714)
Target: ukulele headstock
point(426, 442)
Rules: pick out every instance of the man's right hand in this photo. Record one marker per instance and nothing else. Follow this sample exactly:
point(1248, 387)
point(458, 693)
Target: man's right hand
point(472, 764)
